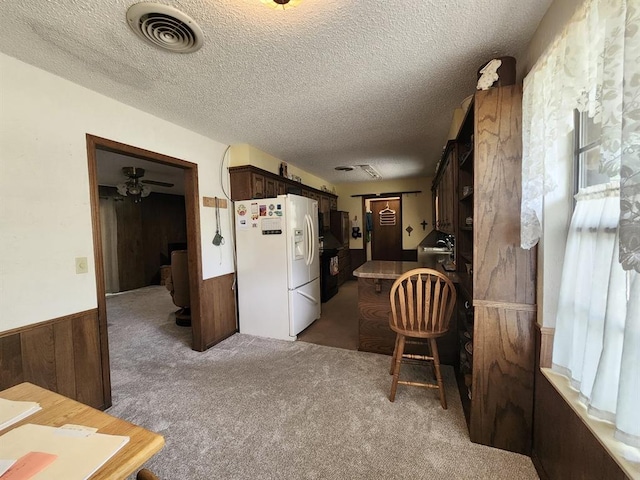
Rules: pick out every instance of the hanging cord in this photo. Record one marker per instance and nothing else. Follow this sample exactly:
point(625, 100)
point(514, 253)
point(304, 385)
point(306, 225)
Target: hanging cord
point(232, 223)
point(224, 155)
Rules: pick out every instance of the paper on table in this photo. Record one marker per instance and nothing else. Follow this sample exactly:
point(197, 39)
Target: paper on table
point(12, 411)
point(78, 456)
point(27, 466)
point(5, 465)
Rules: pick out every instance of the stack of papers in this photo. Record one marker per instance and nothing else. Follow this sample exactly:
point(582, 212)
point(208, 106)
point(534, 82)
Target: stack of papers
point(12, 411)
point(77, 452)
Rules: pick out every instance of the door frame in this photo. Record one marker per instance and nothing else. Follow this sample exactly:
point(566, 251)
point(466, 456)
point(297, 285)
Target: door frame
point(194, 255)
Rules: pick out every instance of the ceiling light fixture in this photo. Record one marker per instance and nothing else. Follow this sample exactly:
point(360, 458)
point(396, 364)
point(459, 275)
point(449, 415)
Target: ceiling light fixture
point(283, 4)
point(371, 171)
point(132, 187)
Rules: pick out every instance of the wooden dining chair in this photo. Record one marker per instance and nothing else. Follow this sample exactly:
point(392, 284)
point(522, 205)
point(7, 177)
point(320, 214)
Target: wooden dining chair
point(422, 303)
point(146, 474)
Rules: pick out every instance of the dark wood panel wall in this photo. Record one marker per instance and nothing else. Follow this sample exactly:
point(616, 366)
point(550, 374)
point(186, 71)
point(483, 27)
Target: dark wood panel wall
point(218, 314)
point(145, 230)
point(62, 355)
point(164, 221)
point(563, 446)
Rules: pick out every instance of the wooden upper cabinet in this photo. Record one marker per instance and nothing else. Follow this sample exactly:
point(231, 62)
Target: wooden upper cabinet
point(324, 207)
point(249, 182)
point(257, 186)
point(444, 189)
point(270, 189)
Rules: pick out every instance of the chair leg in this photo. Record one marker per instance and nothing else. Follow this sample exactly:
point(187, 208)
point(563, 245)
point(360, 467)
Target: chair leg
point(436, 364)
point(393, 357)
point(431, 363)
point(396, 369)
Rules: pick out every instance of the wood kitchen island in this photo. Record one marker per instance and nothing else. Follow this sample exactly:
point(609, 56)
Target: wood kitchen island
point(374, 285)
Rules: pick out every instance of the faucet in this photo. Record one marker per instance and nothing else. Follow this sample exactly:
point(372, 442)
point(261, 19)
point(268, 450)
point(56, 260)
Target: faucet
point(450, 241)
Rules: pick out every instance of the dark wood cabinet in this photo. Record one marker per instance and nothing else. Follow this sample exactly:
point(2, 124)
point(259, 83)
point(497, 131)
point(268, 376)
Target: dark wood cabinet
point(257, 185)
point(324, 206)
point(249, 182)
point(339, 227)
point(270, 189)
point(444, 189)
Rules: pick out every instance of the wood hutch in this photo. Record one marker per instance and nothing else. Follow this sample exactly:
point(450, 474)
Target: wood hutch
point(477, 192)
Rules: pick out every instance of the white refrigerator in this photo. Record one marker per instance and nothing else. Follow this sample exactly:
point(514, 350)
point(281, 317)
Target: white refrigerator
point(278, 265)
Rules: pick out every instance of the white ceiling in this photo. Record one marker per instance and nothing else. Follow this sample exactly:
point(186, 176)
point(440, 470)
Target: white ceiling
point(331, 82)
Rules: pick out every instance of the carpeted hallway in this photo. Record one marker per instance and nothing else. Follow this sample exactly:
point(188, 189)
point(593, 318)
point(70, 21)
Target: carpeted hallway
point(255, 408)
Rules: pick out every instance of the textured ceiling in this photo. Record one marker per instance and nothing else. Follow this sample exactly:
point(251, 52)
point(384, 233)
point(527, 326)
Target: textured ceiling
point(331, 82)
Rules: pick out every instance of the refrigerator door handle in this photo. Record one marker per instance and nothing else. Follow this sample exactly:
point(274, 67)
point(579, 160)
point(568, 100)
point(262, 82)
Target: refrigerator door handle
point(310, 246)
point(308, 297)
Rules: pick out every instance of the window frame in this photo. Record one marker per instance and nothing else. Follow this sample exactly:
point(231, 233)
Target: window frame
point(580, 150)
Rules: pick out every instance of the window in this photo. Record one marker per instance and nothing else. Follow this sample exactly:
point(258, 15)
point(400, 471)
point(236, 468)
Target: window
point(588, 138)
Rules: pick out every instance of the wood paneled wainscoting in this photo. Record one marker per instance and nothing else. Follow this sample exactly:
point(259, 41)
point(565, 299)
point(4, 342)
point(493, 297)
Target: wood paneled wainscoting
point(218, 310)
point(62, 355)
point(563, 446)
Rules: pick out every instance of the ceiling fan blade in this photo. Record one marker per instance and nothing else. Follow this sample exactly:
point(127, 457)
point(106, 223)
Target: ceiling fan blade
point(155, 182)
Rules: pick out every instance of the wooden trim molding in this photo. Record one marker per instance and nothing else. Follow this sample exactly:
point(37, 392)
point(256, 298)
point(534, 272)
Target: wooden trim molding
point(62, 354)
point(94, 197)
point(521, 307)
point(546, 345)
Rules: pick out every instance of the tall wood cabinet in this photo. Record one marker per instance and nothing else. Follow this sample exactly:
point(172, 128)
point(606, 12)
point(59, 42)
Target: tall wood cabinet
point(497, 310)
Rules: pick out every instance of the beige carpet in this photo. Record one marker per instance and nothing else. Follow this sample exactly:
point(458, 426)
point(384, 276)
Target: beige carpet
point(254, 408)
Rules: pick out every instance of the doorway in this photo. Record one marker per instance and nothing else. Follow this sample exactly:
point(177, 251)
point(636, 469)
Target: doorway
point(190, 173)
point(386, 228)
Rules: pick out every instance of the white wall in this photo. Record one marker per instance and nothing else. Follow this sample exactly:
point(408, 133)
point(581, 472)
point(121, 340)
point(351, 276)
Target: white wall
point(45, 217)
point(416, 207)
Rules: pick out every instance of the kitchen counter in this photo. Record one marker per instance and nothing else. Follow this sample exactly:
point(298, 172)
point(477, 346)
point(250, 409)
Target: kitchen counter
point(381, 269)
point(374, 285)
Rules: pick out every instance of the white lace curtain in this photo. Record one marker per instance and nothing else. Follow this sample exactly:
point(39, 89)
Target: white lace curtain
point(597, 337)
point(593, 67)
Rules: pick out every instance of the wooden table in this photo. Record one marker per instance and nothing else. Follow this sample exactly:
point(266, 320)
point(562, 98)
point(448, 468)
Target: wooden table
point(374, 334)
point(58, 410)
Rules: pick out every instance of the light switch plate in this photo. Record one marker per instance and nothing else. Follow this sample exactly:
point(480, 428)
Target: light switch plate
point(81, 265)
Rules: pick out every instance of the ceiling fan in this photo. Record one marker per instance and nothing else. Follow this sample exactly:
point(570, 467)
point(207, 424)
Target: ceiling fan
point(134, 187)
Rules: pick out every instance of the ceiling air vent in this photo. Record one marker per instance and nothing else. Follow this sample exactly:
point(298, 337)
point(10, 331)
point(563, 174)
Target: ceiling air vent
point(165, 27)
